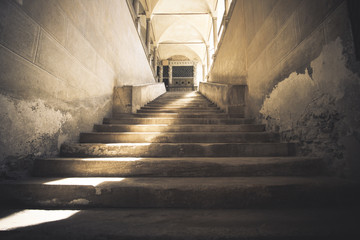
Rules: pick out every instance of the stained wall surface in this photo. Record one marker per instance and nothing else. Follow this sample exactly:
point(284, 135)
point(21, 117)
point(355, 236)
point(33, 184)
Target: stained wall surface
point(59, 63)
point(297, 58)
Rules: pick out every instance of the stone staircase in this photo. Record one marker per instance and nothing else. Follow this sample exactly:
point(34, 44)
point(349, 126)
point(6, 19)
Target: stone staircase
point(182, 162)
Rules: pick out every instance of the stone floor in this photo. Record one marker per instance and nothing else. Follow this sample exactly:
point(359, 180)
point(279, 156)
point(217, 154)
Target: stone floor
point(301, 224)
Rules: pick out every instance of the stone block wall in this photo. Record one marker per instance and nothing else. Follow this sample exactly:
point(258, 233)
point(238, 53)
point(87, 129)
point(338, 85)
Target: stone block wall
point(297, 58)
point(59, 63)
point(129, 99)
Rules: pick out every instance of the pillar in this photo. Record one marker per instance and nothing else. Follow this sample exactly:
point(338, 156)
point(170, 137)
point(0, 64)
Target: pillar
point(148, 25)
point(203, 72)
point(170, 75)
point(226, 7)
point(137, 19)
point(195, 75)
point(215, 32)
point(155, 61)
point(161, 73)
point(226, 15)
point(207, 58)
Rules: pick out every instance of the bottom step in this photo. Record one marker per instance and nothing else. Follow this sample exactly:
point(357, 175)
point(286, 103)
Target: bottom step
point(177, 150)
point(180, 224)
point(225, 192)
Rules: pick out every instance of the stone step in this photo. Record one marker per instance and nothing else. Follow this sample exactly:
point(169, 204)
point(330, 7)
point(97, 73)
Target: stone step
point(178, 167)
point(179, 128)
point(177, 150)
point(151, 192)
point(178, 137)
point(177, 115)
point(181, 105)
point(198, 97)
point(186, 100)
point(181, 111)
point(182, 121)
point(214, 108)
point(183, 224)
point(169, 103)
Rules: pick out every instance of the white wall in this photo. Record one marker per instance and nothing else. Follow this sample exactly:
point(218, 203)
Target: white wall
point(59, 63)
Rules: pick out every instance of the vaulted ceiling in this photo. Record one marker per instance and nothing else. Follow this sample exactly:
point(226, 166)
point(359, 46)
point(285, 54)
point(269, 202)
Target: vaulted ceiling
point(181, 27)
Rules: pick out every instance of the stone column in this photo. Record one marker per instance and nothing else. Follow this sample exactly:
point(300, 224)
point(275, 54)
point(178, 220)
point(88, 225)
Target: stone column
point(215, 32)
point(203, 72)
point(226, 15)
point(148, 25)
point(226, 7)
point(170, 75)
point(150, 59)
point(195, 77)
point(207, 58)
point(136, 10)
point(155, 61)
point(161, 73)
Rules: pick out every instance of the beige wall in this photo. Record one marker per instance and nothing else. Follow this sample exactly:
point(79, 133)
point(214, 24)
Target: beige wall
point(59, 63)
point(268, 39)
point(297, 58)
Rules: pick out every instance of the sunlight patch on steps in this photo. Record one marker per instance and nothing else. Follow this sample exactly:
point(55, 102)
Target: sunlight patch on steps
point(84, 181)
point(125, 159)
point(31, 217)
point(127, 144)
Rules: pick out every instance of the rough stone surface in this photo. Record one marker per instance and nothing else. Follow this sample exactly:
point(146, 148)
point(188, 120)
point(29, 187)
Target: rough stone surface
point(297, 58)
point(181, 192)
point(180, 224)
point(320, 109)
point(59, 63)
point(230, 98)
point(177, 167)
point(129, 99)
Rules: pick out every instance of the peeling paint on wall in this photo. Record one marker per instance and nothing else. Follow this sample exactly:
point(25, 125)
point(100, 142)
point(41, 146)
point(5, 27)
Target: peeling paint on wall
point(321, 110)
point(25, 128)
point(30, 129)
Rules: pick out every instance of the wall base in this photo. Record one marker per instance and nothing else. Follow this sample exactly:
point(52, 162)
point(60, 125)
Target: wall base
point(129, 99)
point(230, 98)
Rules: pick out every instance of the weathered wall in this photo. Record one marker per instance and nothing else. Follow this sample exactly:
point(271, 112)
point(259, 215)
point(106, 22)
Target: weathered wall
point(229, 98)
point(129, 99)
point(59, 63)
point(297, 59)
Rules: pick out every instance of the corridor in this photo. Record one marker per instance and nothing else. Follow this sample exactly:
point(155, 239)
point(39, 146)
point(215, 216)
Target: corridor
point(167, 119)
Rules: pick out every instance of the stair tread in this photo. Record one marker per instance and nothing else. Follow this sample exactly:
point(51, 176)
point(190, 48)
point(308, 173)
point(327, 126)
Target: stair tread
point(172, 118)
point(216, 160)
point(179, 167)
point(195, 224)
point(188, 182)
point(183, 125)
point(181, 133)
point(178, 137)
point(176, 149)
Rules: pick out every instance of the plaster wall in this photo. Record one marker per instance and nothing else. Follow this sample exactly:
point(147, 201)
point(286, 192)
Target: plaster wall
point(230, 98)
point(129, 99)
point(59, 63)
point(297, 58)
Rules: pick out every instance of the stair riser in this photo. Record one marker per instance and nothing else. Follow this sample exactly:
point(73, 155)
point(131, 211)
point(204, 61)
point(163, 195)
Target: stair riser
point(182, 111)
point(178, 137)
point(195, 196)
point(176, 121)
point(177, 150)
point(182, 105)
point(172, 168)
point(180, 128)
point(181, 108)
point(178, 115)
point(193, 101)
